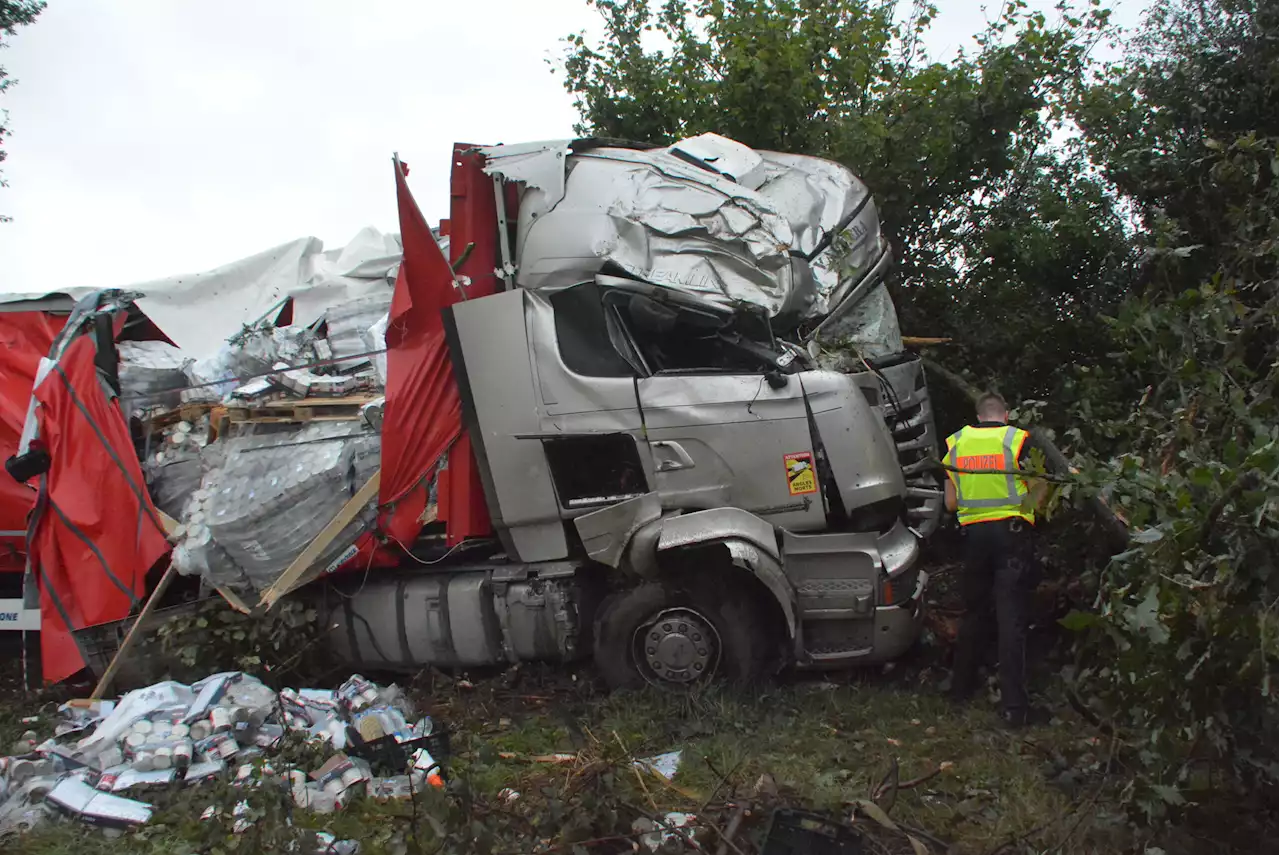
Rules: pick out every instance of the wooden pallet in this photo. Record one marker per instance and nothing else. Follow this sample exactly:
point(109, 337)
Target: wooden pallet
point(186, 413)
point(303, 410)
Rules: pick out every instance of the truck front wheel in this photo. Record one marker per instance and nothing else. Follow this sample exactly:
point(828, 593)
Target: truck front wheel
point(678, 637)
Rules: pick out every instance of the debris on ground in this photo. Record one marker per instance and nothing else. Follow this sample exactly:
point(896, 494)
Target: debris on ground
point(669, 836)
point(663, 765)
point(104, 756)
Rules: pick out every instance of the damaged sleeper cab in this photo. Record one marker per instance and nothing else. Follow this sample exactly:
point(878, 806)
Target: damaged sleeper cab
point(672, 487)
point(679, 482)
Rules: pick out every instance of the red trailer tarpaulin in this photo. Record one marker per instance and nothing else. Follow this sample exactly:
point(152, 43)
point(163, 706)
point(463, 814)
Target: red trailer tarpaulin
point(98, 532)
point(423, 419)
point(25, 338)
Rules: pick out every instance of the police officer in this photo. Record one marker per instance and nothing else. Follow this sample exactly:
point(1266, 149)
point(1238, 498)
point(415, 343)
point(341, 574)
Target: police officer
point(997, 520)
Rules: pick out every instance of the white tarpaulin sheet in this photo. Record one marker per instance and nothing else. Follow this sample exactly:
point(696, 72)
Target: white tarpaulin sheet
point(200, 311)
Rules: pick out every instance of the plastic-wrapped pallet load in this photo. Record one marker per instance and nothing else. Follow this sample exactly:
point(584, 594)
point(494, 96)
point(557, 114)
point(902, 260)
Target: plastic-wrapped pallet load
point(375, 338)
point(249, 354)
point(269, 497)
point(151, 376)
point(177, 463)
point(348, 322)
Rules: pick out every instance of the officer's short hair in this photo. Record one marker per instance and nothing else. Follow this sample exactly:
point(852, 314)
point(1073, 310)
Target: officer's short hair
point(991, 404)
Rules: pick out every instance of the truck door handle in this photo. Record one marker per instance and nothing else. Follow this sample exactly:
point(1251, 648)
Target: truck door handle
point(678, 458)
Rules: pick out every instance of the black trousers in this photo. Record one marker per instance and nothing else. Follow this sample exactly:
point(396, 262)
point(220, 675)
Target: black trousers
point(1000, 573)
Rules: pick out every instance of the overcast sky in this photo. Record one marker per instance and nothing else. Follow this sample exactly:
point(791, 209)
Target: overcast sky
point(157, 137)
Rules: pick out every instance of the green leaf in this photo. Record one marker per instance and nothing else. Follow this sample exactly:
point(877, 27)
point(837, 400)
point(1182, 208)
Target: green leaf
point(1147, 535)
point(1145, 617)
point(1078, 621)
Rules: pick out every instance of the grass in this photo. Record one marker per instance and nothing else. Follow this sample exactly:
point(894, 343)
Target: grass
point(823, 745)
point(814, 744)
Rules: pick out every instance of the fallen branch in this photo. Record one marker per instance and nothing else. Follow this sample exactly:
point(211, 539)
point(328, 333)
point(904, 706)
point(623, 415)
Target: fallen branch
point(1117, 527)
point(1089, 715)
point(593, 841)
point(927, 776)
point(912, 831)
point(885, 794)
point(1093, 799)
point(724, 779)
point(539, 758)
point(735, 822)
point(1019, 838)
point(973, 393)
point(891, 786)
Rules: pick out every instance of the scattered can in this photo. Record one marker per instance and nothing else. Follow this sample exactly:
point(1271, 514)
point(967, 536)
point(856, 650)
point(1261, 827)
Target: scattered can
point(220, 719)
point(182, 753)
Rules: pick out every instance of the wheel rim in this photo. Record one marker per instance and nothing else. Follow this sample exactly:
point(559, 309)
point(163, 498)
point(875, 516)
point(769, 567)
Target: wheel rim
point(676, 647)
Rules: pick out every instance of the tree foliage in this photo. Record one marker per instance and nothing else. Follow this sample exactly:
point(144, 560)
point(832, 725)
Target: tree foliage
point(1184, 415)
point(955, 152)
point(13, 14)
point(1100, 237)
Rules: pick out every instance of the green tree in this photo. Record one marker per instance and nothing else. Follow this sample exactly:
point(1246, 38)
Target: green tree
point(1181, 654)
point(13, 14)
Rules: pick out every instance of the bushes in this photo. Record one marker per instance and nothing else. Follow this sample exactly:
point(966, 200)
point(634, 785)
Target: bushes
point(1127, 276)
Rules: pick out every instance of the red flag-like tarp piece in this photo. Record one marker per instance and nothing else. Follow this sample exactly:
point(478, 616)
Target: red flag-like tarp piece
point(25, 337)
point(98, 532)
point(423, 415)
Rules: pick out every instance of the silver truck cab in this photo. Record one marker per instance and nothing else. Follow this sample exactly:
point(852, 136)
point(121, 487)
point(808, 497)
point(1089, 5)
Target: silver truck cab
point(699, 471)
point(675, 486)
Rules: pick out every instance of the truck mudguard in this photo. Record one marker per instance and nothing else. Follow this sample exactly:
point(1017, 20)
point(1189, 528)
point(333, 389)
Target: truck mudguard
point(752, 545)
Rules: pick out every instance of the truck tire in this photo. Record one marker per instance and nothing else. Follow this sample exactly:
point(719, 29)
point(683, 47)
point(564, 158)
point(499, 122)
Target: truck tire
point(678, 637)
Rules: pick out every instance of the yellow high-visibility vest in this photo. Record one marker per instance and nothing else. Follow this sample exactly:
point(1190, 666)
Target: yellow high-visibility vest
point(984, 497)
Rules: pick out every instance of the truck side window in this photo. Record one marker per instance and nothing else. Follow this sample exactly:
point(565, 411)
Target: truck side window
point(592, 471)
point(583, 334)
point(677, 338)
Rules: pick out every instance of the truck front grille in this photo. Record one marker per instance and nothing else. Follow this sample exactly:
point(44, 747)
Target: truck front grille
point(909, 415)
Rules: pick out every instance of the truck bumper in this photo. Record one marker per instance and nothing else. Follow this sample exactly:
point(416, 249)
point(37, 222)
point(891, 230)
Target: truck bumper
point(898, 626)
point(884, 634)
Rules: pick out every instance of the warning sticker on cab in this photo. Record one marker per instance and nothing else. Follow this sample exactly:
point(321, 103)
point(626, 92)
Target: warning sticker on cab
point(801, 476)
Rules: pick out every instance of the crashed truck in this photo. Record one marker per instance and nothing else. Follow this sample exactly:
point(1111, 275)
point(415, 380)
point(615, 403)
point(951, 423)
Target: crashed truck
point(646, 404)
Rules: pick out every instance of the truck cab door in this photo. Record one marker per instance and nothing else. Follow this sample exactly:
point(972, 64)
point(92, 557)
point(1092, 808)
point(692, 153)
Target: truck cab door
point(732, 440)
point(589, 419)
point(725, 428)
